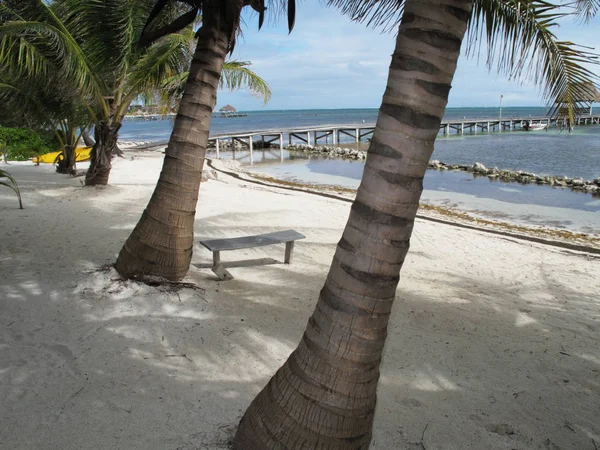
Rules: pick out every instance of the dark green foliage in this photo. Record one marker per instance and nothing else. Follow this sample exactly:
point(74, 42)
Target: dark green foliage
point(23, 143)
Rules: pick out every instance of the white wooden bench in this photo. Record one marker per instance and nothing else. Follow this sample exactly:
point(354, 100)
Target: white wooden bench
point(278, 237)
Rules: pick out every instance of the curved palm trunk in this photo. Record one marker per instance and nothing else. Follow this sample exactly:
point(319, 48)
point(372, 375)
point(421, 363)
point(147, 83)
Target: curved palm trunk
point(66, 164)
point(161, 243)
point(324, 396)
point(105, 136)
point(87, 139)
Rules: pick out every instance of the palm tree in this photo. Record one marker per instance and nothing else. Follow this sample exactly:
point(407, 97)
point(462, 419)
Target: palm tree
point(161, 243)
point(44, 103)
point(91, 48)
point(324, 395)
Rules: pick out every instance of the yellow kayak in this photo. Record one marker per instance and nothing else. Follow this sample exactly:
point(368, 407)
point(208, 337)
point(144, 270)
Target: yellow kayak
point(81, 154)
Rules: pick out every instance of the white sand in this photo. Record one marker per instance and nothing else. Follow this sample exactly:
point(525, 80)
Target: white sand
point(494, 343)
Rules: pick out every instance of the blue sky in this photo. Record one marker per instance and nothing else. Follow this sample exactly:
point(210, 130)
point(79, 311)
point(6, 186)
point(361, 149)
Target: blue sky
point(330, 62)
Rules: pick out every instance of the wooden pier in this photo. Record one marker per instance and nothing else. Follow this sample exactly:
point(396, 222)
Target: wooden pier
point(331, 134)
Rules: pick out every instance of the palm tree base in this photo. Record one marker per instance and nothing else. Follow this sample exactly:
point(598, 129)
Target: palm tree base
point(106, 136)
point(302, 407)
point(153, 250)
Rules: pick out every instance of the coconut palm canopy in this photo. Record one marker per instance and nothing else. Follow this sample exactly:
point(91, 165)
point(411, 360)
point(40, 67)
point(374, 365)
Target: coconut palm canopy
point(103, 56)
point(228, 108)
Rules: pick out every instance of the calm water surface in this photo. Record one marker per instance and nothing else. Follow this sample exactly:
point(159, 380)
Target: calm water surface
point(549, 152)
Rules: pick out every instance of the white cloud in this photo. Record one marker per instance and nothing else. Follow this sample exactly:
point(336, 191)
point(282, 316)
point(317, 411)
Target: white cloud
point(330, 62)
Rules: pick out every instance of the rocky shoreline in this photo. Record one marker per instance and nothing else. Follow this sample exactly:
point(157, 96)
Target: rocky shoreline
point(522, 177)
point(333, 152)
point(477, 169)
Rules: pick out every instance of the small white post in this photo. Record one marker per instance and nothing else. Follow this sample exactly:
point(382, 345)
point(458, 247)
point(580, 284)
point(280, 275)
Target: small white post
point(462, 128)
point(447, 129)
point(357, 136)
point(335, 137)
point(308, 137)
point(251, 154)
point(500, 122)
point(217, 145)
point(281, 147)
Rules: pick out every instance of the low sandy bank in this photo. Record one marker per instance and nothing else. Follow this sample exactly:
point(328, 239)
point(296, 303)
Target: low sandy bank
point(493, 343)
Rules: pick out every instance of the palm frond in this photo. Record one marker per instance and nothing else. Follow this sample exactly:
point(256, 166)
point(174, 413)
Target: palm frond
point(37, 43)
point(166, 59)
point(12, 184)
point(106, 31)
point(587, 9)
point(236, 75)
point(521, 44)
point(375, 13)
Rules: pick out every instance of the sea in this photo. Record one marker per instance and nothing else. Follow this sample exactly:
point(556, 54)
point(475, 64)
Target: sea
point(551, 152)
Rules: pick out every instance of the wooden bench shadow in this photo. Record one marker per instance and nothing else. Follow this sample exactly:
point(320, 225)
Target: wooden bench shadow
point(218, 245)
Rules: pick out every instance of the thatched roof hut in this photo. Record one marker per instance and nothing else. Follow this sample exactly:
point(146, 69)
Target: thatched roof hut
point(228, 108)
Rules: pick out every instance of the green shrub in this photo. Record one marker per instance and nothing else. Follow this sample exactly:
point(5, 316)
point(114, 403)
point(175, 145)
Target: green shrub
point(23, 143)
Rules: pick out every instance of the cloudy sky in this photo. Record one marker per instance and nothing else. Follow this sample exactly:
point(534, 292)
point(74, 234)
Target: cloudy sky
point(330, 62)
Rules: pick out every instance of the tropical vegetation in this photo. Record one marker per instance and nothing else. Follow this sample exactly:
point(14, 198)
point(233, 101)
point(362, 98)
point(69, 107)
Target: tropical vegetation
point(69, 64)
point(21, 144)
point(324, 396)
point(161, 243)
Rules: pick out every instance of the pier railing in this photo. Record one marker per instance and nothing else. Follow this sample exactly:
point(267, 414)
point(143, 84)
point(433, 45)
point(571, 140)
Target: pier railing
point(356, 133)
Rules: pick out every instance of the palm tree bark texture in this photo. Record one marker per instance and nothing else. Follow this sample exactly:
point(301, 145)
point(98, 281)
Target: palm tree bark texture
point(162, 241)
point(105, 137)
point(324, 396)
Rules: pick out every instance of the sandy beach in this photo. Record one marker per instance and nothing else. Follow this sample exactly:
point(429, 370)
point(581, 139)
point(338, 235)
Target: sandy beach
point(494, 341)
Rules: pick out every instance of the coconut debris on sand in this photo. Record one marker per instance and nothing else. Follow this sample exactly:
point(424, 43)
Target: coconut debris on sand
point(494, 342)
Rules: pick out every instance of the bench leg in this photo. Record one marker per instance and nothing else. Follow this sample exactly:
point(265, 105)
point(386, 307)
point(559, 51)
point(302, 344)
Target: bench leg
point(218, 268)
point(289, 250)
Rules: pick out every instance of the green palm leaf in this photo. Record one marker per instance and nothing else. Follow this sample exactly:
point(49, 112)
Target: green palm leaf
point(587, 9)
point(34, 41)
point(10, 183)
point(166, 59)
point(521, 43)
point(236, 75)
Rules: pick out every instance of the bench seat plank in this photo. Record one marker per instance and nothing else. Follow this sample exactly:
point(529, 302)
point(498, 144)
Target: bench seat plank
point(278, 237)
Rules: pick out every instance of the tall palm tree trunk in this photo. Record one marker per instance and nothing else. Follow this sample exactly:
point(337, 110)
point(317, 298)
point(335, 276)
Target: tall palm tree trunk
point(161, 243)
point(105, 136)
point(324, 396)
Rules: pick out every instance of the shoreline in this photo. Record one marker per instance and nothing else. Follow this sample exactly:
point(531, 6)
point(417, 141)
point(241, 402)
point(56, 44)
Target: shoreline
point(477, 216)
point(358, 152)
point(450, 216)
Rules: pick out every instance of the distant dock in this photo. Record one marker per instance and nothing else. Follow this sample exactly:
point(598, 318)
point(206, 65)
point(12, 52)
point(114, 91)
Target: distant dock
point(331, 134)
point(235, 114)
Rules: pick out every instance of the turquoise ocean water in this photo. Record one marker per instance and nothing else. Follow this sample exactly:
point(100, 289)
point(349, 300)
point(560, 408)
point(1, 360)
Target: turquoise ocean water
point(552, 152)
